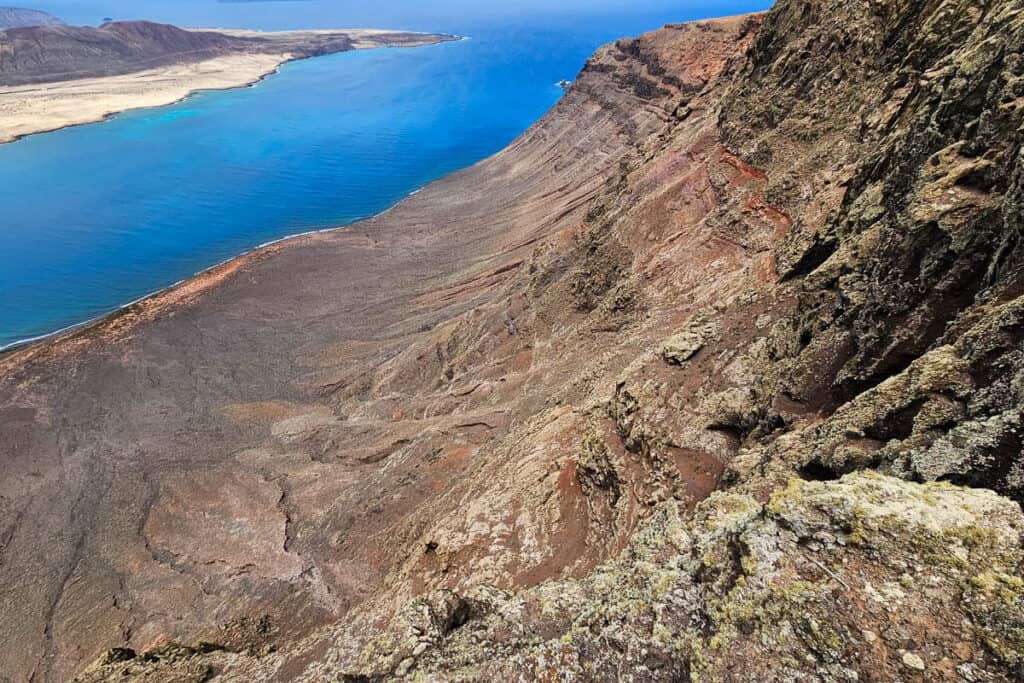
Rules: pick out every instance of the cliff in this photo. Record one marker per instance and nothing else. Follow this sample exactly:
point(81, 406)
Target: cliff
point(714, 374)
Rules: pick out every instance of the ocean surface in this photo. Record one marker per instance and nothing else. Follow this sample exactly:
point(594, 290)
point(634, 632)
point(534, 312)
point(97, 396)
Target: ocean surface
point(97, 216)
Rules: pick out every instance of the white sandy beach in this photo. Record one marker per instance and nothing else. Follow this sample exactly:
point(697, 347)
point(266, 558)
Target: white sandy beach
point(29, 109)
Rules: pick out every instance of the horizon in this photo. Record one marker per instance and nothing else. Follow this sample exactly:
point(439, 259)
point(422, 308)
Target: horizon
point(393, 14)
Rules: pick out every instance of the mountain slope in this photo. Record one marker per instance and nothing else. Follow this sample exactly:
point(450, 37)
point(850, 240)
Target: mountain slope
point(169, 431)
point(17, 17)
point(710, 376)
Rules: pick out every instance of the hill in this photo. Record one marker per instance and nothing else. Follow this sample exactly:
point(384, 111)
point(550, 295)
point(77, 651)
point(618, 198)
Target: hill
point(17, 17)
point(45, 54)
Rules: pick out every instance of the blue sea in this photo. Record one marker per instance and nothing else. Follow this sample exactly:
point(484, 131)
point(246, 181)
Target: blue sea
point(96, 216)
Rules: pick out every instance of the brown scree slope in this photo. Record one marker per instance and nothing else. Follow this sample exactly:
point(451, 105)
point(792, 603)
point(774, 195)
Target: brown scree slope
point(314, 458)
point(707, 376)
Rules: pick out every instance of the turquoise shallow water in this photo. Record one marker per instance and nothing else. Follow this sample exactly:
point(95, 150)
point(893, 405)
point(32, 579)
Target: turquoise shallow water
point(97, 216)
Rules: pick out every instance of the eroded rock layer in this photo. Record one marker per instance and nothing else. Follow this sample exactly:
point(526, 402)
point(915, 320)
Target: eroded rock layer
point(714, 374)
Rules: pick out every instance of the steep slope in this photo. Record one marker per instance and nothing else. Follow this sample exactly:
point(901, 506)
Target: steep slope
point(271, 439)
point(17, 17)
point(702, 379)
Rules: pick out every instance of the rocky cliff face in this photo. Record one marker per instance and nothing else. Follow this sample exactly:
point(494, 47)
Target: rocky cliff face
point(715, 374)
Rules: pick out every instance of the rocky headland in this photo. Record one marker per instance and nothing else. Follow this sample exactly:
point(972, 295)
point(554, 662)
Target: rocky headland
point(715, 374)
point(54, 76)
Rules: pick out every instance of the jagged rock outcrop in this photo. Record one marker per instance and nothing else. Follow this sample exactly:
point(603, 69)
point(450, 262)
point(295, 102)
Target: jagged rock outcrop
point(714, 374)
point(832, 581)
point(907, 291)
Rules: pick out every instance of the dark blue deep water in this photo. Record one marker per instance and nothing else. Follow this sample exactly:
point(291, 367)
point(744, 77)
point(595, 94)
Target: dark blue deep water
point(96, 216)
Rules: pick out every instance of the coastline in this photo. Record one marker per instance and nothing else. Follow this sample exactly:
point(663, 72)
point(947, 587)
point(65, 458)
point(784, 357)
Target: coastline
point(48, 107)
point(250, 79)
point(200, 277)
point(113, 95)
point(159, 299)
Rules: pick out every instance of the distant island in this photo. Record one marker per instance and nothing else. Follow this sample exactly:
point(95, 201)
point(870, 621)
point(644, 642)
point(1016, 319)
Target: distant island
point(53, 76)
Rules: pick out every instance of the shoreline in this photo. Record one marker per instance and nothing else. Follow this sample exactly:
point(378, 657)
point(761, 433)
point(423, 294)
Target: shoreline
point(8, 351)
point(36, 109)
point(110, 115)
point(74, 328)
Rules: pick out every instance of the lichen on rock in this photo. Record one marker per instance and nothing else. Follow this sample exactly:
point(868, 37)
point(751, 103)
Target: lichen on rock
point(751, 591)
